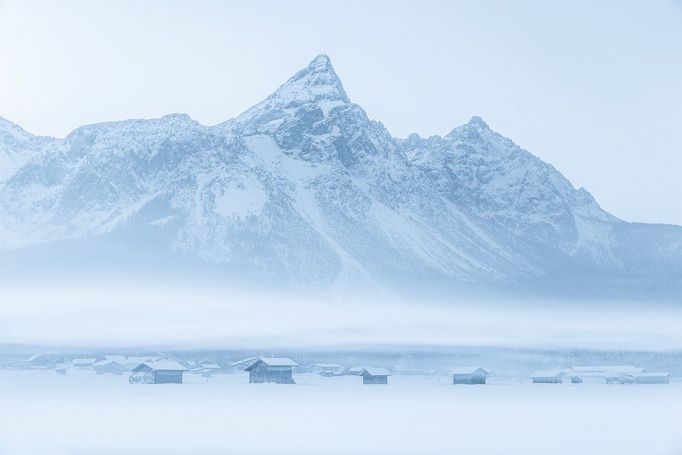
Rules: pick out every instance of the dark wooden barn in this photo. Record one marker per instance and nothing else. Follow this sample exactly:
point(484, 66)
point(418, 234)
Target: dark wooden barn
point(158, 372)
point(374, 376)
point(469, 375)
point(271, 369)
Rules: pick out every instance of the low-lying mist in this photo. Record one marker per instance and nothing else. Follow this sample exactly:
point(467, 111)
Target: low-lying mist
point(225, 318)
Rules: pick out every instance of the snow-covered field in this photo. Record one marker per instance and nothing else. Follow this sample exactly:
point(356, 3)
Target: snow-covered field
point(44, 413)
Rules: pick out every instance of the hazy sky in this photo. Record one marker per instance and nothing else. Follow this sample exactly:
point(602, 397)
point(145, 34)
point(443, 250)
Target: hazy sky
point(595, 88)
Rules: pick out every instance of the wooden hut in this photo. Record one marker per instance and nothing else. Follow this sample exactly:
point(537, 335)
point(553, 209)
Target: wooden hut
point(548, 377)
point(374, 376)
point(271, 369)
point(158, 372)
point(469, 375)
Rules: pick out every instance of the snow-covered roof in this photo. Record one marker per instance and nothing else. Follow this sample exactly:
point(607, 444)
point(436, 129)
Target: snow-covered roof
point(83, 361)
point(470, 370)
point(36, 357)
point(209, 366)
point(274, 362)
point(548, 373)
point(163, 365)
point(374, 372)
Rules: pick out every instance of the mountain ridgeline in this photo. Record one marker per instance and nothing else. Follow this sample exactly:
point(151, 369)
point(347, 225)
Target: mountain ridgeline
point(305, 189)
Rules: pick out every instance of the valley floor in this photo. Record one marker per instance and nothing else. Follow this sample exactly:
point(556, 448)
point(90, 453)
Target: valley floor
point(45, 413)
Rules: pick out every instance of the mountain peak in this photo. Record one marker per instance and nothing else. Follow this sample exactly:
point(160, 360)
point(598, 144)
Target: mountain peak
point(318, 81)
point(321, 60)
point(477, 122)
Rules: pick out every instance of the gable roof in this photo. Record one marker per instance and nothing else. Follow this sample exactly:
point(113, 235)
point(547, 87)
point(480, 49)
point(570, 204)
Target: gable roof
point(374, 372)
point(162, 365)
point(548, 374)
point(470, 370)
point(36, 357)
point(273, 362)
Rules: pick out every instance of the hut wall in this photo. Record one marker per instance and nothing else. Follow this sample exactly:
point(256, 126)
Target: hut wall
point(141, 377)
point(263, 373)
point(375, 379)
point(468, 379)
point(547, 381)
point(168, 377)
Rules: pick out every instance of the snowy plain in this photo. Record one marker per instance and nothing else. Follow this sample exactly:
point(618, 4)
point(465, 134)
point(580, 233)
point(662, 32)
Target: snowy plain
point(82, 413)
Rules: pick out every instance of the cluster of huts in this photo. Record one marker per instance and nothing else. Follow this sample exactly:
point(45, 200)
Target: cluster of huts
point(610, 374)
point(164, 369)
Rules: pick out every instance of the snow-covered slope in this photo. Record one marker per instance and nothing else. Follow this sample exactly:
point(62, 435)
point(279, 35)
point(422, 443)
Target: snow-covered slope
point(305, 188)
point(17, 147)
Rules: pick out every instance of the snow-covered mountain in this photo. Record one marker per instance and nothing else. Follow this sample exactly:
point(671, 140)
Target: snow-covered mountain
point(305, 188)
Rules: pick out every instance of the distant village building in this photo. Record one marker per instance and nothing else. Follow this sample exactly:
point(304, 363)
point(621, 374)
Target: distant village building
point(37, 361)
point(469, 375)
point(158, 372)
point(243, 363)
point(611, 374)
point(548, 377)
point(328, 369)
point(355, 371)
point(271, 369)
point(108, 367)
point(651, 378)
point(83, 363)
point(374, 375)
point(206, 368)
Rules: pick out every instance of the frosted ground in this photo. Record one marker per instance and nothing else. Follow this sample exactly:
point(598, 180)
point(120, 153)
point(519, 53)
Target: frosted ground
point(43, 412)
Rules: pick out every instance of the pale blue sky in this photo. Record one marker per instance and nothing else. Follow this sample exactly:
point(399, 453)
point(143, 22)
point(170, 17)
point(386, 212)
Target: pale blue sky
point(593, 87)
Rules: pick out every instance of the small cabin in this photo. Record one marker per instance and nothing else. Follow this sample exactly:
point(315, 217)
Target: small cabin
point(37, 361)
point(374, 376)
point(548, 377)
point(651, 378)
point(271, 369)
point(157, 372)
point(469, 375)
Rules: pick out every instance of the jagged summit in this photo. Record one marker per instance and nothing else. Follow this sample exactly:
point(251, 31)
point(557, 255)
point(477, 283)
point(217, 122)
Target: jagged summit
point(477, 122)
point(318, 81)
point(316, 84)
